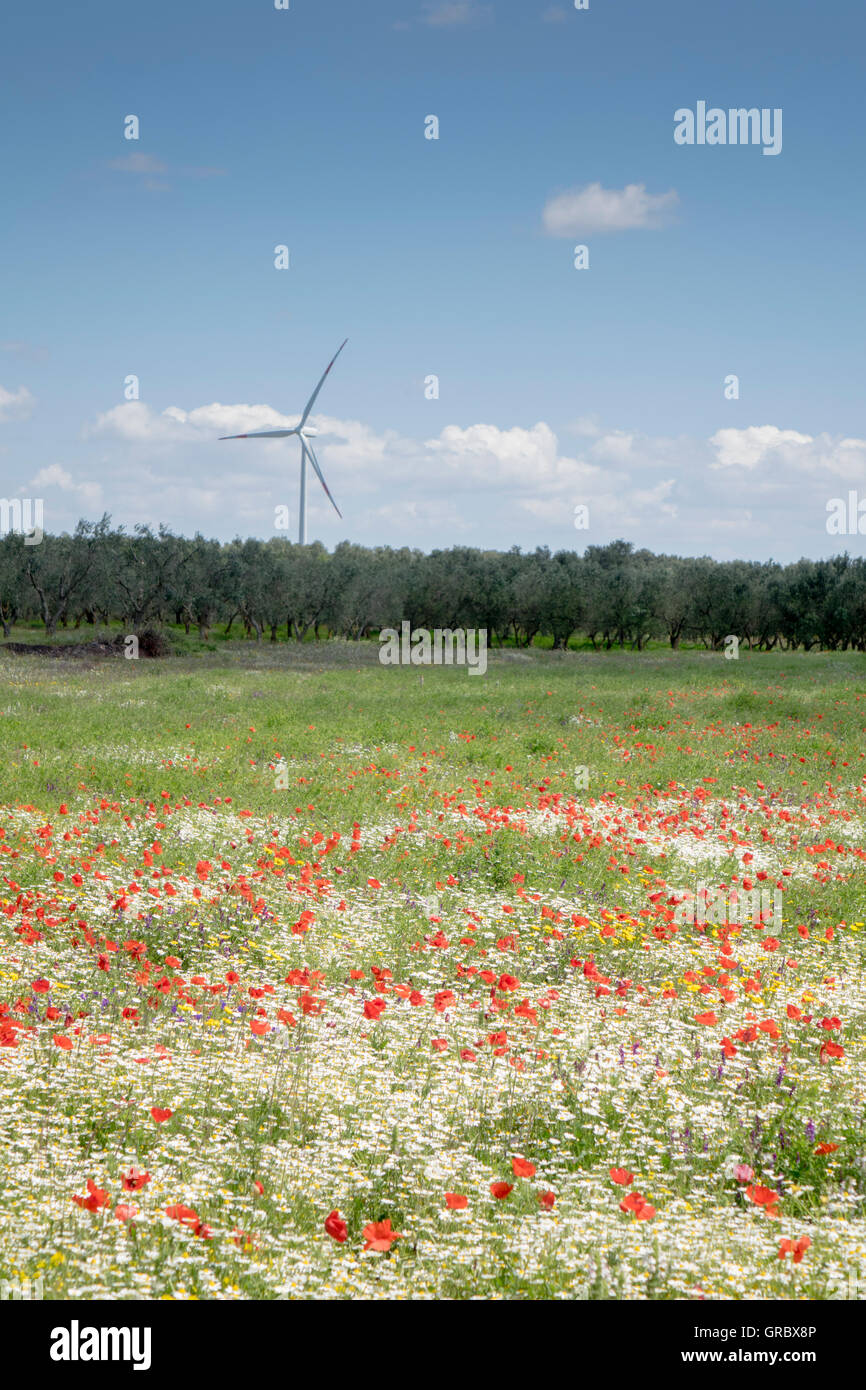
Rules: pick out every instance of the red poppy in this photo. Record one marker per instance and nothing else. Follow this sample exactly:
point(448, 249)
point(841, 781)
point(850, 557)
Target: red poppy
point(160, 1115)
point(455, 1201)
point(302, 926)
point(134, 1180)
point(379, 1235)
point(522, 1168)
point(61, 1040)
point(124, 1212)
point(764, 1197)
point(96, 1197)
point(642, 1209)
point(795, 1248)
point(336, 1226)
point(187, 1216)
point(547, 1199)
point(621, 1176)
point(501, 1189)
point(826, 1149)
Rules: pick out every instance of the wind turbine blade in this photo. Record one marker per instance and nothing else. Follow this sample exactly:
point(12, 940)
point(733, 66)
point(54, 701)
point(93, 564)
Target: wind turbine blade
point(308, 407)
point(260, 434)
point(315, 462)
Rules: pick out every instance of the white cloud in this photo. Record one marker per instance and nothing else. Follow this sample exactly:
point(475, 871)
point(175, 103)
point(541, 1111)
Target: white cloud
point(136, 422)
point(751, 447)
point(449, 14)
point(19, 348)
point(657, 496)
point(615, 447)
point(593, 210)
point(772, 455)
point(489, 456)
point(842, 458)
point(477, 484)
point(55, 476)
point(147, 165)
point(400, 515)
point(587, 426)
point(358, 446)
point(16, 405)
point(137, 163)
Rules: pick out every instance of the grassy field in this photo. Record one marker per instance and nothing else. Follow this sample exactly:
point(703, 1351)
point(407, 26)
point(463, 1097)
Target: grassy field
point(288, 933)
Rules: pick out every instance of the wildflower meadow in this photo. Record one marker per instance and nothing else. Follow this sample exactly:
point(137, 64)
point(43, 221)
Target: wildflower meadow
point(327, 980)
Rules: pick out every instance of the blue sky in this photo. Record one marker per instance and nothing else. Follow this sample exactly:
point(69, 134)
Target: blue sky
point(557, 386)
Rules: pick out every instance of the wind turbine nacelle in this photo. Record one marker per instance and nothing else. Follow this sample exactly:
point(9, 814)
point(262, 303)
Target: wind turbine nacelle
point(309, 430)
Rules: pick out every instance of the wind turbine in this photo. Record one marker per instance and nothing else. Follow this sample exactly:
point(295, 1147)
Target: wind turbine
point(303, 431)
